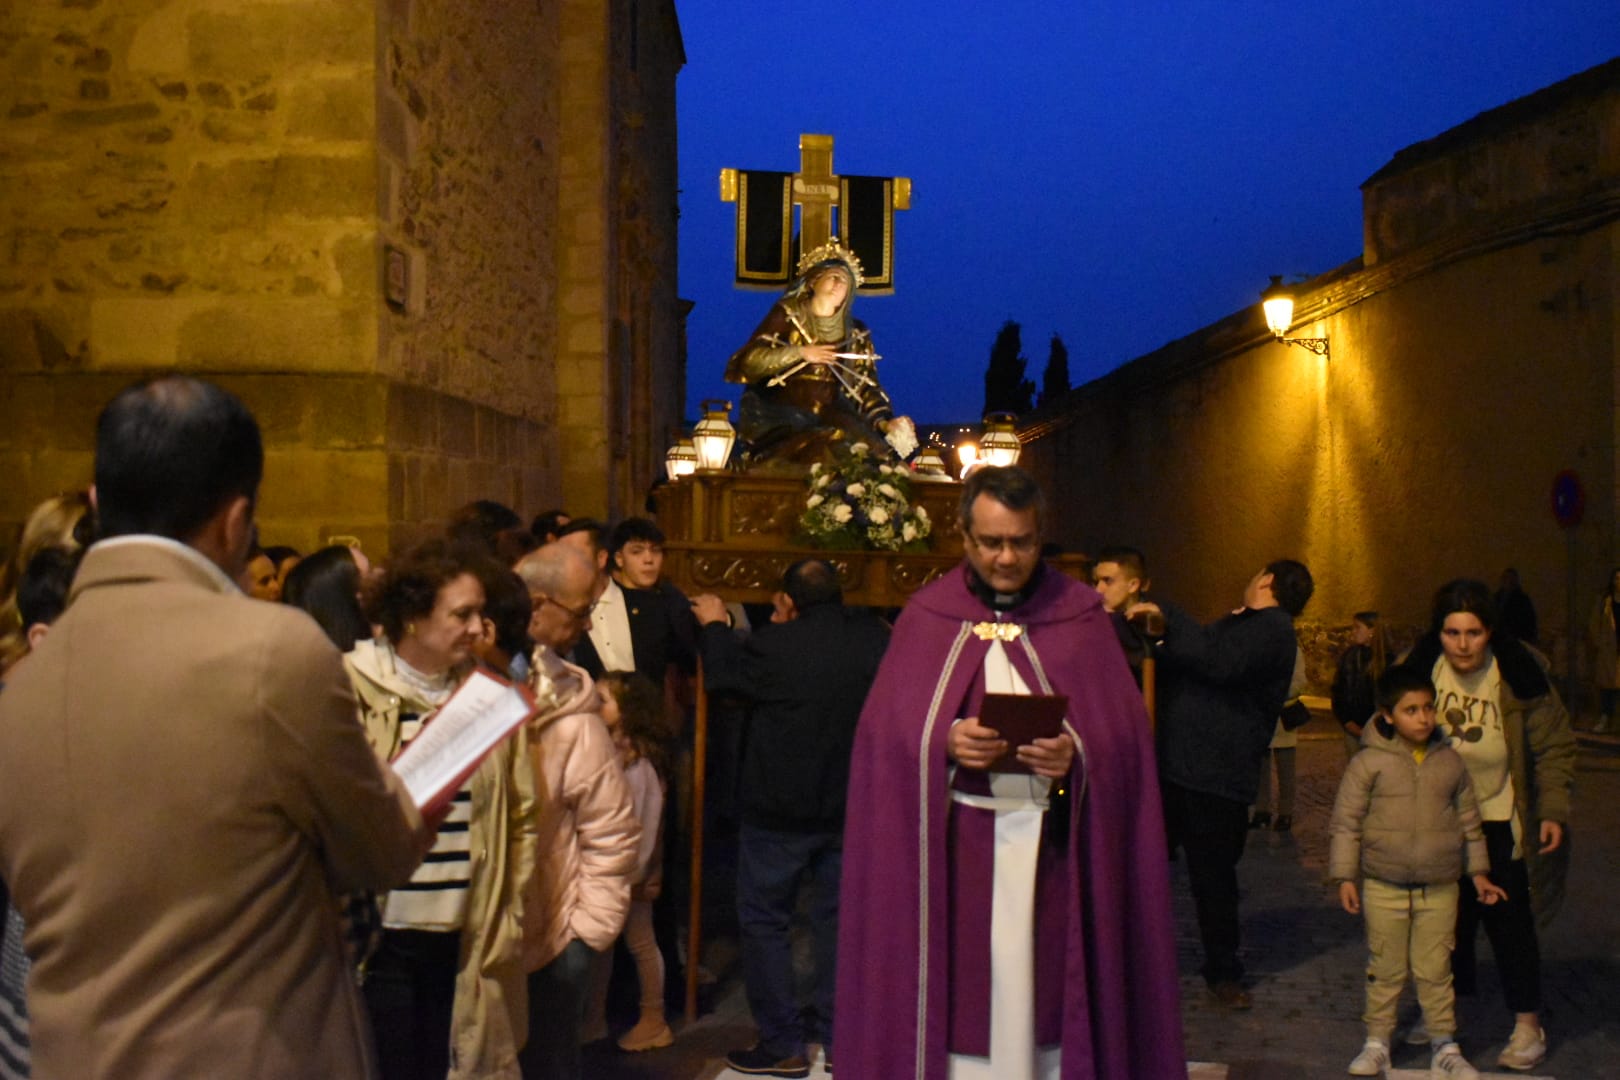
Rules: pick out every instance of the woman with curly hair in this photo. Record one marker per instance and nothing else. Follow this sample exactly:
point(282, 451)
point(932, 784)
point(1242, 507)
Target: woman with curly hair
point(446, 983)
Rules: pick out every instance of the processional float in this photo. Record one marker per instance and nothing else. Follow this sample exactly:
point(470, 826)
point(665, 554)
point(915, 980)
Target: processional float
point(817, 463)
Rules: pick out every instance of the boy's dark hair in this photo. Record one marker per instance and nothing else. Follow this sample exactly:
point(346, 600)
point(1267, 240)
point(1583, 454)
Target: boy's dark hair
point(170, 453)
point(811, 582)
point(1463, 595)
point(633, 529)
point(1291, 584)
point(1129, 560)
point(1398, 681)
point(42, 591)
point(1366, 618)
point(1009, 485)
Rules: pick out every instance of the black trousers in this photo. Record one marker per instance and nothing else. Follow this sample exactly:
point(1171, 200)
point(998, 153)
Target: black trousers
point(1509, 925)
point(409, 990)
point(1212, 831)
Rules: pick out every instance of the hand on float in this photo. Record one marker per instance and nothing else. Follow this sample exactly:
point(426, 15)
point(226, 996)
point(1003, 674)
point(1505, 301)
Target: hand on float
point(708, 608)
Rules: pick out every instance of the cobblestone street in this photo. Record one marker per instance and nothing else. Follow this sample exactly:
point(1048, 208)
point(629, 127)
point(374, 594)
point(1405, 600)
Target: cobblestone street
point(1305, 959)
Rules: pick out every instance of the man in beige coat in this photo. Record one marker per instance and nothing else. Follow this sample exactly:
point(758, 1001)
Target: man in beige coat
point(184, 785)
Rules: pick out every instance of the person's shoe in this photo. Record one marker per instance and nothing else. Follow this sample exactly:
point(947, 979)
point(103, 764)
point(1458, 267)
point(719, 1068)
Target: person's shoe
point(650, 1033)
point(1231, 995)
point(758, 1061)
point(1285, 823)
point(826, 1060)
point(1525, 1050)
point(1260, 820)
point(1373, 1059)
point(1448, 1063)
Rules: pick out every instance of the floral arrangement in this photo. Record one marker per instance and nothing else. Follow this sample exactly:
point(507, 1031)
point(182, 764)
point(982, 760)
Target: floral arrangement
point(863, 503)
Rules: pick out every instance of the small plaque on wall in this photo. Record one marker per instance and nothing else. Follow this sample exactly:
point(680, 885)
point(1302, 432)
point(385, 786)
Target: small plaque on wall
point(396, 278)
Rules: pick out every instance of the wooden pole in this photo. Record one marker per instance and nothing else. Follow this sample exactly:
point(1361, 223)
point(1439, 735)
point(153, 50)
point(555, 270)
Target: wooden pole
point(1150, 690)
point(694, 926)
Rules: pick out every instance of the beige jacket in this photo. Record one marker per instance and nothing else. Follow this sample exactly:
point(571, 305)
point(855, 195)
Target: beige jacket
point(587, 832)
point(1403, 821)
point(185, 791)
point(489, 1021)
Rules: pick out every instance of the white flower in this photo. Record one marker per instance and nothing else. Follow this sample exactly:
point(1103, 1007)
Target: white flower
point(886, 469)
point(823, 480)
point(815, 468)
point(814, 501)
point(888, 490)
point(858, 448)
point(878, 515)
point(908, 532)
point(856, 490)
point(922, 512)
point(842, 513)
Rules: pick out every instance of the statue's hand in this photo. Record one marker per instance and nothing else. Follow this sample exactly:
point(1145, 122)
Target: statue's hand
point(818, 354)
point(901, 434)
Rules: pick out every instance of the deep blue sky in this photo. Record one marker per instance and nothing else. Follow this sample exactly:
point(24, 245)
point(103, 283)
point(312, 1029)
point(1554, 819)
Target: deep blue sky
point(1120, 173)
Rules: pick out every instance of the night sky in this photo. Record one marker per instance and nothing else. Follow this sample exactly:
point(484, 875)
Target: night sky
point(1118, 173)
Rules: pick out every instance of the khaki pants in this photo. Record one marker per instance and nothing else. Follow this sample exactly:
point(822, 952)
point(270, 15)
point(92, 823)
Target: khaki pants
point(1410, 927)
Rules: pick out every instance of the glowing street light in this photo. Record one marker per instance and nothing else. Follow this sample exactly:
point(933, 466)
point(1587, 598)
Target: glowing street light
point(1277, 301)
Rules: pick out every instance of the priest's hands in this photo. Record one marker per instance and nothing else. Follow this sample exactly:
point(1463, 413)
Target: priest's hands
point(974, 746)
point(1048, 757)
point(708, 608)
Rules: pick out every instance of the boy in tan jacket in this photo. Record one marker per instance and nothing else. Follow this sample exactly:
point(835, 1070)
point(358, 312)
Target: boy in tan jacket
point(1404, 811)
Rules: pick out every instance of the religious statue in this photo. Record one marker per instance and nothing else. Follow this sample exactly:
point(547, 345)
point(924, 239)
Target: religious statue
point(811, 373)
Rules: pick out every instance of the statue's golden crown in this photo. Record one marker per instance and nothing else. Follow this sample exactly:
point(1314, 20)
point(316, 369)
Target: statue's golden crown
point(831, 251)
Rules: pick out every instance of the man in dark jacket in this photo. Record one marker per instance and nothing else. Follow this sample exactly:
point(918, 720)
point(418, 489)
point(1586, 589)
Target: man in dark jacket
point(805, 678)
point(1221, 688)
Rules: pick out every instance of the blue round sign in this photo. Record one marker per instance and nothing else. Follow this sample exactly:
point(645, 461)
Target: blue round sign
point(1568, 499)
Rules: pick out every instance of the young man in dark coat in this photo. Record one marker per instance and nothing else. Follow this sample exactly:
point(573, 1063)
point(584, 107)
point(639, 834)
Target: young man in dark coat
point(1221, 687)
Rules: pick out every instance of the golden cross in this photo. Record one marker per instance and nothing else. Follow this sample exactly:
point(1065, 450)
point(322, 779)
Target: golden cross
point(815, 190)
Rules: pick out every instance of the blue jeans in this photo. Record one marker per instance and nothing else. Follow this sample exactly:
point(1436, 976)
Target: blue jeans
point(556, 1014)
point(770, 866)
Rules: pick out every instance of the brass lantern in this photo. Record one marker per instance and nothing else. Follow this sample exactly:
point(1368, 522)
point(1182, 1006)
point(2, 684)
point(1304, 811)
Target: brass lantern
point(999, 446)
point(682, 459)
point(713, 436)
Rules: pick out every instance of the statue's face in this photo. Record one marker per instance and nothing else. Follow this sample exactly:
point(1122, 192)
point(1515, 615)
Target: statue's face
point(832, 287)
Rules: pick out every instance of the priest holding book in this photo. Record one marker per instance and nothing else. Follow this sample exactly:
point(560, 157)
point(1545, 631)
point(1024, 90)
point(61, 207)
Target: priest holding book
point(1005, 904)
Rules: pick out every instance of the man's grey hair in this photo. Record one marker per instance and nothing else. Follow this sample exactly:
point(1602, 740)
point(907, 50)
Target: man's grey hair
point(547, 569)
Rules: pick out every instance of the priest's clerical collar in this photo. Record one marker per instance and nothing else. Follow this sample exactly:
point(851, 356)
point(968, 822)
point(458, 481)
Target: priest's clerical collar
point(1000, 601)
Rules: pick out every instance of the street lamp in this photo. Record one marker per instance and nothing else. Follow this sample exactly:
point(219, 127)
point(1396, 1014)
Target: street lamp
point(928, 465)
point(713, 436)
point(999, 446)
point(1277, 301)
point(968, 454)
point(682, 459)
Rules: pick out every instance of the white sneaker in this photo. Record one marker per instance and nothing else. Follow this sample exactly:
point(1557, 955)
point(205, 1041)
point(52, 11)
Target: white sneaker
point(1373, 1059)
point(1448, 1063)
point(1525, 1050)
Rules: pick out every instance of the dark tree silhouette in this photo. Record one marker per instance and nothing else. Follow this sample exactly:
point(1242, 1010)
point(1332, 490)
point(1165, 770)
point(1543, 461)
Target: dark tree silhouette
point(1005, 388)
point(1055, 379)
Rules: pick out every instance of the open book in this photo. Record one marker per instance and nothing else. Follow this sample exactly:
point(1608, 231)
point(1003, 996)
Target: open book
point(458, 736)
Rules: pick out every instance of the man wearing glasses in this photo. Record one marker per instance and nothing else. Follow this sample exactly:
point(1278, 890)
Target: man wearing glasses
point(587, 834)
point(1005, 924)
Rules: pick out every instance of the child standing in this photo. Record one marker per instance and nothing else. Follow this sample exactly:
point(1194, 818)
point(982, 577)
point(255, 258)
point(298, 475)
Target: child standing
point(633, 710)
point(1404, 812)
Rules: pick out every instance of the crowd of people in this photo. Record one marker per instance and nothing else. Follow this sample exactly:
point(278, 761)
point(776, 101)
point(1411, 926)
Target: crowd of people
point(211, 869)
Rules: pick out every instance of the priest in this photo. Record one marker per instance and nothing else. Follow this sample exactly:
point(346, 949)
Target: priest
point(1001, 924)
